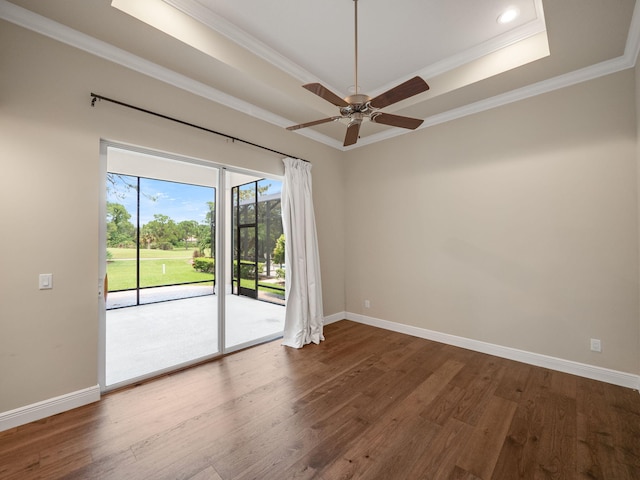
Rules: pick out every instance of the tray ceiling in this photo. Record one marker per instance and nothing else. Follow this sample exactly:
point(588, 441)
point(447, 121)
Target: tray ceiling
point(255, 55)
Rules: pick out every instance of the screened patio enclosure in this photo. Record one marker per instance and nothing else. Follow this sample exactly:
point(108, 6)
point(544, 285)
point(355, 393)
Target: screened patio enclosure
point(160, 240)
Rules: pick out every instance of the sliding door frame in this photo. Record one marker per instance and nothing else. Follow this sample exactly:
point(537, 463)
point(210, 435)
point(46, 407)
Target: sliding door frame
point(221, 274)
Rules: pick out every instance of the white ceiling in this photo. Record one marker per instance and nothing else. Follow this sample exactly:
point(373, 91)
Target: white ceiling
point(254, 55)
point(396, 40)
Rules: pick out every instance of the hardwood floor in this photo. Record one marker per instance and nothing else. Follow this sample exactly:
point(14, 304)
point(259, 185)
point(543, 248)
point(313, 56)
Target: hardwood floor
point(366, 403)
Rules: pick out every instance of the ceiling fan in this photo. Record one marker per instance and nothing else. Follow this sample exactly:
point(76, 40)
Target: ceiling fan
point(358, 106)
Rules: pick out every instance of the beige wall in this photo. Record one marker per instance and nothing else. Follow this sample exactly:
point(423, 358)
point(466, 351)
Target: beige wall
point(517, 226)
point(49, 198)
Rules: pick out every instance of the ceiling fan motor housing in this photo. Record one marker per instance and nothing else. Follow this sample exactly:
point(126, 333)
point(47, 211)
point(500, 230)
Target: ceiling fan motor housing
point(357, 103)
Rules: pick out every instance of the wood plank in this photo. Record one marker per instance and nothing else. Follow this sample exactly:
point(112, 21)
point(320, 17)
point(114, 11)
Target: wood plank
point(328, 447)
point(301, 443)
point(557, 450)
point(208, 473)
point(514, 381)
point(211, 425)
point(483, 448)
point(600, 450)
point(478, 380)
point(297, 433)
point(107, 467)
point(438, 457)
point(461, 474)
point(385, 448)
point(624, 403)
point(518, 457)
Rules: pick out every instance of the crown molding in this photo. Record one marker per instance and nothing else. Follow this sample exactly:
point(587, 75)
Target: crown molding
point(69, 36)
point(566, 80)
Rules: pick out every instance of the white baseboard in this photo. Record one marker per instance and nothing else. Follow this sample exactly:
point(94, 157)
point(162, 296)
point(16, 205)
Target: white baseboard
point(336, 317)
point(567, 366)
point(46, 408)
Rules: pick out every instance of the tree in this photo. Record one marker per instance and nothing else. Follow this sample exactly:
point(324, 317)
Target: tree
point(163, 230)
point(278, 250)
point(206, 230)
point(146, 237)
point(249, 194)
point(256, 202)
point(120, 231)
point(119, 185)
point(269, 228)
point(187, 229)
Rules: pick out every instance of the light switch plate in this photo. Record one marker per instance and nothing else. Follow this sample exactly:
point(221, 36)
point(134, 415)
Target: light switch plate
point(45, 281)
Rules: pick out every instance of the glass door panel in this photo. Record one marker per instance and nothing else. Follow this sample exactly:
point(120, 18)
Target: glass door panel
point(176, 255)
point(255, 308)
point(122, 240)
point(161, 252)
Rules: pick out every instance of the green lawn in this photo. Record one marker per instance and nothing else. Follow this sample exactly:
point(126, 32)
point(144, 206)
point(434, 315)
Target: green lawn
point(177, 269)
point(269, 289)
point(122, 272)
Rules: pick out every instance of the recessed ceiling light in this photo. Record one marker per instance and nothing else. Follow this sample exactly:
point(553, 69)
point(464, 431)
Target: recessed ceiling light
point(509, 15)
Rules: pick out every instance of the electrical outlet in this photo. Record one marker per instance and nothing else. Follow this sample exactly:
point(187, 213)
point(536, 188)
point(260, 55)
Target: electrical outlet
point(596, 345)
point(367, 304)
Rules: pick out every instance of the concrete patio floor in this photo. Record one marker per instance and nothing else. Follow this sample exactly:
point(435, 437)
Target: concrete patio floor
point(152, 338)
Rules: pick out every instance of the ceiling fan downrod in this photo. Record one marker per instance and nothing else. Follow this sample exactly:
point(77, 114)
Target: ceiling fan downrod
point(358, 103)
point(355, 5)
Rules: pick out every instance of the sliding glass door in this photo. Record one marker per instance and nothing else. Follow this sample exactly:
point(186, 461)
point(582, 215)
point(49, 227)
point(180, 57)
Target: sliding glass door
point(193, 255)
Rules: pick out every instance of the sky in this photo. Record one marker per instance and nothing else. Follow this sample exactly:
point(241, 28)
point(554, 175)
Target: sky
point(178, 201)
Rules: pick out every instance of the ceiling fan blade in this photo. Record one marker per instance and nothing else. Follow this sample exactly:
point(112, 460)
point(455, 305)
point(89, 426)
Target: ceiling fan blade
point(405, 90)
point(352, 132)
point(315, 122)
point(396, 120)
point(328, 95)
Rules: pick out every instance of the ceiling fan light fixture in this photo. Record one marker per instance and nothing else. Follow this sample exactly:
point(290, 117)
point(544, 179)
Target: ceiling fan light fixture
point(357, 106)
point(509, 15)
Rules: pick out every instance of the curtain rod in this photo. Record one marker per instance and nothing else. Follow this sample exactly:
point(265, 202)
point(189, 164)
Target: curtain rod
point(95, 96)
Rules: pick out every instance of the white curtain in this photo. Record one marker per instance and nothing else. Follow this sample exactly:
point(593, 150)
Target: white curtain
point(303, 317)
